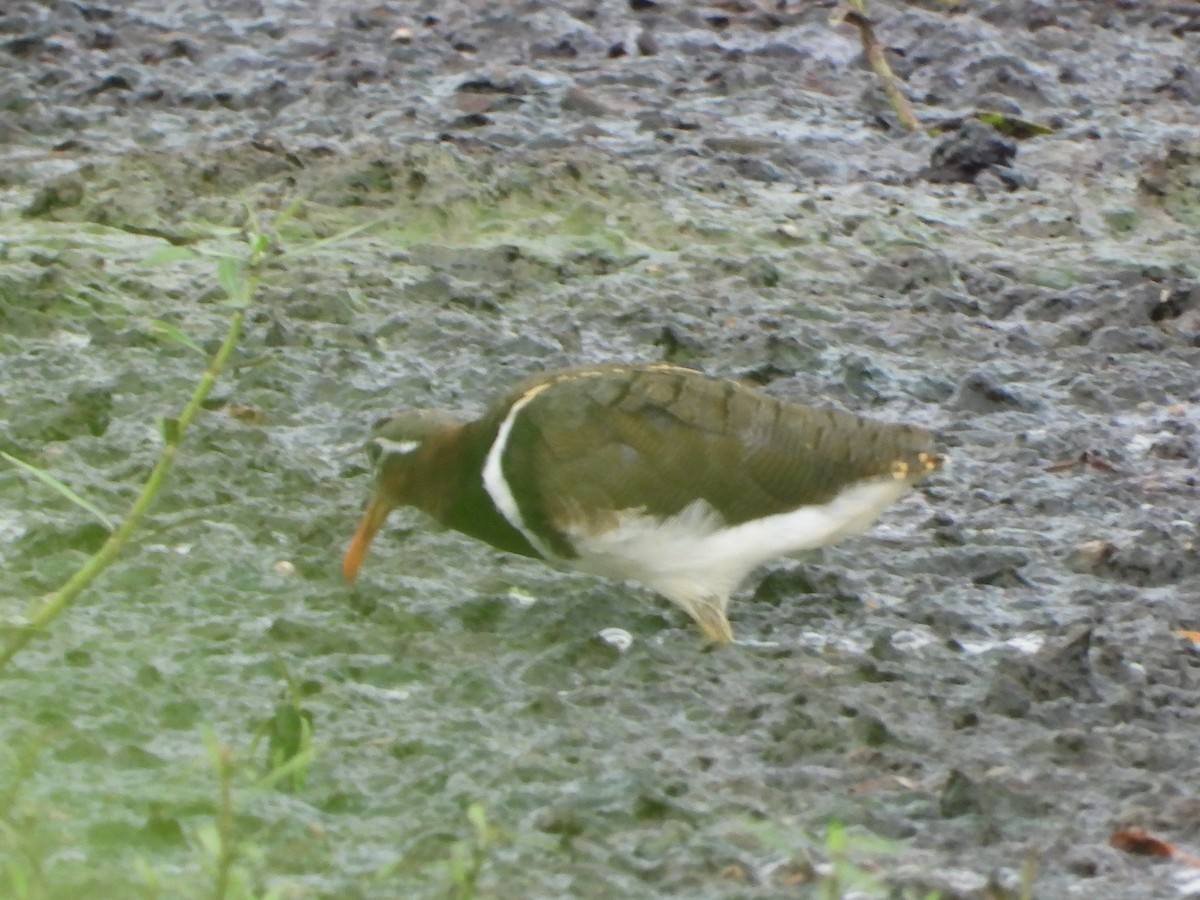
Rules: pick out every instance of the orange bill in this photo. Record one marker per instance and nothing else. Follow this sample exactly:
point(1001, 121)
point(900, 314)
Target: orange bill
point(372, 521)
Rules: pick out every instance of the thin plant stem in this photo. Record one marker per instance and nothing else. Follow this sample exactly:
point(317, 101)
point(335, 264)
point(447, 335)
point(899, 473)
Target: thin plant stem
point(857, 16)
point(227, 844)
point(49, 608)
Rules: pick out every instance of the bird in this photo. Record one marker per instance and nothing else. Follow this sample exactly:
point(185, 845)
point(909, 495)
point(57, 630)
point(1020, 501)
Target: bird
point(651, 473)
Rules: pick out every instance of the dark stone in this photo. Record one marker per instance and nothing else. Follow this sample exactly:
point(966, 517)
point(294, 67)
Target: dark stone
point(973, 148)
point(979, 392)
point(960, 796)
point(1059, 670)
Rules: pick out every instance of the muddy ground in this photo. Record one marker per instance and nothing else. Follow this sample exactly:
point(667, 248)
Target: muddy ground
point(989, 680)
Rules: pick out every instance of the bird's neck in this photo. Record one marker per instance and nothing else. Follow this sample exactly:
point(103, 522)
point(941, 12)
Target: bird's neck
point(446, 469)
point(452, 489)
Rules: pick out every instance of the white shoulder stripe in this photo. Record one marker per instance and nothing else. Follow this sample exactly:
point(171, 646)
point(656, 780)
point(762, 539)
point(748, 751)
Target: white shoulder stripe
point(493, 476)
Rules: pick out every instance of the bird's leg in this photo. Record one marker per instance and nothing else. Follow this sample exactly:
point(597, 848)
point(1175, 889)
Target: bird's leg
point(709, 613)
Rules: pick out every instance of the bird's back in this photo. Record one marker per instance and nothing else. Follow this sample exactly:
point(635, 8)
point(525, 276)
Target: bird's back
point(659, 438)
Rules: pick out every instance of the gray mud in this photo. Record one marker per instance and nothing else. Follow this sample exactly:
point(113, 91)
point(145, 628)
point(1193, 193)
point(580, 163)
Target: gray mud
point(991, 676)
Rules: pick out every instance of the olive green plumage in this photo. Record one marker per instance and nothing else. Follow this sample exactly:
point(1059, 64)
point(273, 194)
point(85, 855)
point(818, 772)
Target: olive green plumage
point(659, 438)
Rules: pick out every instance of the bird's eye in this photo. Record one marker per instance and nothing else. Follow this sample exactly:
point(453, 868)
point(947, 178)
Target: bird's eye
point(380, 447)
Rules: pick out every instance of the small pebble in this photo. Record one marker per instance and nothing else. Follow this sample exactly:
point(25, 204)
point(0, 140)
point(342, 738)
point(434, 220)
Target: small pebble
point(1090, 556)
point(617, 637)
point(521, 598)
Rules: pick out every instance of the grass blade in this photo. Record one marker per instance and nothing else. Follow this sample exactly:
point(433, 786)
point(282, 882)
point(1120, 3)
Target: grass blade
point(167, 330)
point(168, 255)
point(229, 274)
point(315, 246)
point(50, 481)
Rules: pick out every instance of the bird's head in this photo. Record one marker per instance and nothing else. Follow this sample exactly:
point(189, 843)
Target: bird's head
point(398, 450)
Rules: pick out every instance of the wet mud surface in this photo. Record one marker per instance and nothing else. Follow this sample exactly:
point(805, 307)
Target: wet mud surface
point(992, 675)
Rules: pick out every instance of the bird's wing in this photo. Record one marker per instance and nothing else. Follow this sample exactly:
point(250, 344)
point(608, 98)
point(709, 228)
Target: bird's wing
point(662, 437)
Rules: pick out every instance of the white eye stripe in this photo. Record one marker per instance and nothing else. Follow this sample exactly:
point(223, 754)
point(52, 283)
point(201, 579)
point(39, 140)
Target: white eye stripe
point(388, 447)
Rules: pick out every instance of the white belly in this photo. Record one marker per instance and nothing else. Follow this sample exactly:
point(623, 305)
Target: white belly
point(695, 555)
